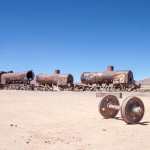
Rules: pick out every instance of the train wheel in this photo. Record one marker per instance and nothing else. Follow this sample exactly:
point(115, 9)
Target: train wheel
point(61, 88)
point(46, 89)
point(35, 88)
point(71, 88)
point(81, 88)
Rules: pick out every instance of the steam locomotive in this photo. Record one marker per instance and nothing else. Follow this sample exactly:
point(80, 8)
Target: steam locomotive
point(44, 82)
point(47, 81)
point(16, 81)
point(119, 80)
point(108, 80)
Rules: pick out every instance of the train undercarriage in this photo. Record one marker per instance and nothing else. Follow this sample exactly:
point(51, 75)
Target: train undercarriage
point(75, 87)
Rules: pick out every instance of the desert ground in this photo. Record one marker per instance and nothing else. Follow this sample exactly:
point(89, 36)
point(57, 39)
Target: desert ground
point(34, 120)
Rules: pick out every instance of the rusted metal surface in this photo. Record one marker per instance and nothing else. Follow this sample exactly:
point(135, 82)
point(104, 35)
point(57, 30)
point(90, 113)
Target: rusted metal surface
point(1, 72)
point(12, 78)
point(110, 81)
point(132, 109)
point(55, 79)
point(114, 107)
point(110, 68)
point(104, 104)
point(107, 77)
point(57, 71)
point(10, 71)
point(100, 94)
point(119, 79)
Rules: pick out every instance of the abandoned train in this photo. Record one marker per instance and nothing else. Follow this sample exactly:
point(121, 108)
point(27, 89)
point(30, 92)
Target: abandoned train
point(47, 81)
point(119, 80)
point(44, 82)
point(17, 81)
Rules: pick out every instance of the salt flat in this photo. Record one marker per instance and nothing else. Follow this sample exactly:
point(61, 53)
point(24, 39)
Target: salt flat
point(31, 120)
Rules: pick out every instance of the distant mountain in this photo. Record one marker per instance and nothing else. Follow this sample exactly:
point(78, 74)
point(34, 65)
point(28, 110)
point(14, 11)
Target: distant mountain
point(145, 82)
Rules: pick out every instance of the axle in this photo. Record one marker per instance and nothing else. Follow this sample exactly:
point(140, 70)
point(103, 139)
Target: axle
point(116, 107)
point(135, 109)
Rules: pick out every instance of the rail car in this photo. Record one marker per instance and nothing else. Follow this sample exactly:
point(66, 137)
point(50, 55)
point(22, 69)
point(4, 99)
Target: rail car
point(43, 82)
point(90, 81)
point(17, 81)
point(119, 80)
point(47, 81)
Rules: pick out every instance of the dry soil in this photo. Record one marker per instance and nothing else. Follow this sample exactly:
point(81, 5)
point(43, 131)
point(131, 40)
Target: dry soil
point(31, 120)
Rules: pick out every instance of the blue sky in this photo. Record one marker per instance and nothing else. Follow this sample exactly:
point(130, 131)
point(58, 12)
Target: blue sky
point(75, 36)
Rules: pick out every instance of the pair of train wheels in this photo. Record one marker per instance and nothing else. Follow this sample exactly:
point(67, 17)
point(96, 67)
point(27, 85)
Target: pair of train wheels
point(132, 108)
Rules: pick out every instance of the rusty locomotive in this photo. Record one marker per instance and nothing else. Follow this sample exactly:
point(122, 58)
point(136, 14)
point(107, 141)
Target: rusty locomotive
point(44, 82)
point(16, 81)
point(47, 81)
point(90, 81)
point(109, 80)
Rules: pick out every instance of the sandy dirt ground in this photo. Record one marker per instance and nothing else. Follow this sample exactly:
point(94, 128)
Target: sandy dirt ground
point(31, 120)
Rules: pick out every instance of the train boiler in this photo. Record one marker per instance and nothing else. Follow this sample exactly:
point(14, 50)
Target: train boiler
point(119, 79)
point(47, 81)
point(18, 81)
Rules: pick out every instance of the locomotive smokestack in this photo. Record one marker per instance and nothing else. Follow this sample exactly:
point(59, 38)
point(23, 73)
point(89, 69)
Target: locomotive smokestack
point(10, 71)
point(110, 68)
point(57, 71)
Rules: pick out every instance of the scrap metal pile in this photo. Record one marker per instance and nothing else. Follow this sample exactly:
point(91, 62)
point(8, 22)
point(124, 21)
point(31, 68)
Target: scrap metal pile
point(109, 80)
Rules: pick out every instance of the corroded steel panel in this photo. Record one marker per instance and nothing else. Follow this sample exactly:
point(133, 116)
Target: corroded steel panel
point(57, 71)
point(107, 77)
point(54, 79)
point(110, 68)
point(17, 77)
